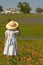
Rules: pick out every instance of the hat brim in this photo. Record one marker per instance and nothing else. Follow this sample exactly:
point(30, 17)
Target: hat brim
point(10, 27)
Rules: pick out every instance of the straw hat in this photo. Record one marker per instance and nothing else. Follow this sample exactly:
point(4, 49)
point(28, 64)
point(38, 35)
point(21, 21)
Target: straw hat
point(12, 25)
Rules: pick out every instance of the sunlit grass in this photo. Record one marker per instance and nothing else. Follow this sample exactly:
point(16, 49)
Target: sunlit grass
point(32, 30)
point(30, 52)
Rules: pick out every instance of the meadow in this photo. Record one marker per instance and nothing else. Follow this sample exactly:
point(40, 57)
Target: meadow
point(30, 42)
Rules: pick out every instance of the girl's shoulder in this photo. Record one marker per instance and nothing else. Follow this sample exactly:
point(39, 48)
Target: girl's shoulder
point(11, 31)
point(6, 31)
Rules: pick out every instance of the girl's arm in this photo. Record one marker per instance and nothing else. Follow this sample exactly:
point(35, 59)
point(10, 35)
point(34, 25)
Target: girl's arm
point(18, 30)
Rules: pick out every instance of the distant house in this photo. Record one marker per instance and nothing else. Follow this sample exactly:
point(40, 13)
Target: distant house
point(12, 10)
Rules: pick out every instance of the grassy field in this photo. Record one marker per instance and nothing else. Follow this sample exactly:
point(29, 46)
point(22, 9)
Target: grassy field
point(30, 43)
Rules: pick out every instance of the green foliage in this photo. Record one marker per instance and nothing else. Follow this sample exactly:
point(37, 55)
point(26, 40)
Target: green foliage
point(39, 10)
point(1, 8)
point(24, 7)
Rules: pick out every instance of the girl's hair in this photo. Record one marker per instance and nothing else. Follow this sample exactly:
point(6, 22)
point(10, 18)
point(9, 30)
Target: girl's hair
point(9, 20)
point(18, 30)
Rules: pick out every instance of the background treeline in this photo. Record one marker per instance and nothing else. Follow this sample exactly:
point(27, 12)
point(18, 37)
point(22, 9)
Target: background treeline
point(25, 8)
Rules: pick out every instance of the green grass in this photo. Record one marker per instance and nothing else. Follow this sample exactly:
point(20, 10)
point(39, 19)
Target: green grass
point(30, 51)
point(18, 16)
point(26, 30)
point(32, 30)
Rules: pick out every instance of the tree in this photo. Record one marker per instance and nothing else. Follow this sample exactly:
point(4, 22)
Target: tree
point(39, 10)
point(1, 8)
point(24, 7)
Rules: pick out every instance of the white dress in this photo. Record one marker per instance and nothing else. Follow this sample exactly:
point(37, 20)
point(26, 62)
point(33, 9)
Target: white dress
point(11, 43)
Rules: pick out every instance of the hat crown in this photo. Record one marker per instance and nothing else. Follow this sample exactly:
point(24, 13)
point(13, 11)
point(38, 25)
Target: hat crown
point(12, 25)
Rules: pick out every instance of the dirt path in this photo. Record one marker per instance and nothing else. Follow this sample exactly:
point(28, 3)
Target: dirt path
point(30, 38)
point(30, 20)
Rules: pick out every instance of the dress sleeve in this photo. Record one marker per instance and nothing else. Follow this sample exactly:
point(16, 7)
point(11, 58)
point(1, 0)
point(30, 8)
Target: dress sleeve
point(6, 33)
point(16, 32)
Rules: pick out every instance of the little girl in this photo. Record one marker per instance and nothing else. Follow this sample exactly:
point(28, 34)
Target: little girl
point(10, 48)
